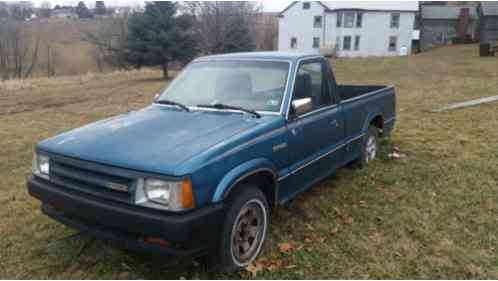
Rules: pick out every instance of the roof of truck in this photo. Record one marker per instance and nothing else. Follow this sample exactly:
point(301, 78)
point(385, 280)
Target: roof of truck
point(261, 56)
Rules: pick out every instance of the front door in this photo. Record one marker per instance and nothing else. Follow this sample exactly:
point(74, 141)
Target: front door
point(315, 136)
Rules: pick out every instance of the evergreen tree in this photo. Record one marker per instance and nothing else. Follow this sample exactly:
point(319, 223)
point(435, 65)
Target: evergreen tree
point(82, 11)
point(237, 36)
point(100, 8)
point(158, 36)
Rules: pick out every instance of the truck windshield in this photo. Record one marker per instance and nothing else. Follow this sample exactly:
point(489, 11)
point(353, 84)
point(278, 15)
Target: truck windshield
point(253, 85)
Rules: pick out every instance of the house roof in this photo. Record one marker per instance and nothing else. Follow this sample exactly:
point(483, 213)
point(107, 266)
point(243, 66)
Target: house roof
point(409, 6)
point(447, 12)
point(489, 8)
point(332, 6)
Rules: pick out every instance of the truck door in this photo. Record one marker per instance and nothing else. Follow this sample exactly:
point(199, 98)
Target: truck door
point(315, 137)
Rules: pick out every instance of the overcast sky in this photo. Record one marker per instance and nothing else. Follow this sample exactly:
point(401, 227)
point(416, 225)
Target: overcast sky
point(269, 5)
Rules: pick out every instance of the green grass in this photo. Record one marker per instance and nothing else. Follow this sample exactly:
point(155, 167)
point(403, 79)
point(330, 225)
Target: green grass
point(431, 214)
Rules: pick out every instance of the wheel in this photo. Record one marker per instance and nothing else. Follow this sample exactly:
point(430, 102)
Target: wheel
point(244, 229)
point(370, 147)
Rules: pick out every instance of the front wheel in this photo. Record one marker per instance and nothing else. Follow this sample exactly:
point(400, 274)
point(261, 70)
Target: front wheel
point(244, 228)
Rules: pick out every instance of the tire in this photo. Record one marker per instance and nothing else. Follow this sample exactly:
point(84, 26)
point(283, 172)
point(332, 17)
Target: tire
point(369, 148)
point(246, 207)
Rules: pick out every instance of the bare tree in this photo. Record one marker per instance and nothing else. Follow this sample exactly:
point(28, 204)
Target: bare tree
point(110, 41)
point(52, 55)
point(18, 50)
point(264, 26)
point(223, 26)
point(45, 9)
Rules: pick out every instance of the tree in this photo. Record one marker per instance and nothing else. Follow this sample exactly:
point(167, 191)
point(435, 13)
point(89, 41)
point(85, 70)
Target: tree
point(159, 36)
point(18, 52)
point(45, 9)
point(237, 37)
point(100, 8)
point(4, 11)
point(111, 42)
point(223, 26)
point(82, 11)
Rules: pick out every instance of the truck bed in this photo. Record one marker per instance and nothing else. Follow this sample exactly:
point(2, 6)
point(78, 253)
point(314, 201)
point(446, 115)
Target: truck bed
point(347, 92)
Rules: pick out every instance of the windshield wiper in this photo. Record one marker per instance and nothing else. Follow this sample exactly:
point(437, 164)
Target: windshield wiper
point(226, 106)
point(170, 102)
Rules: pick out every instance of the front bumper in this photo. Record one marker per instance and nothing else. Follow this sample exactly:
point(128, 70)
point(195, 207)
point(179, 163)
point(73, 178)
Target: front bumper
point(188, 233)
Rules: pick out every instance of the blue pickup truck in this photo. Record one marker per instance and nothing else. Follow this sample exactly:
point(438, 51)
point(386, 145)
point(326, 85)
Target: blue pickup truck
point(201, 169)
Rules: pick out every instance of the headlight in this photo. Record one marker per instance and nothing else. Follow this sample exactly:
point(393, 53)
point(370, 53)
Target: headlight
point(165, 195)
point(41, 165)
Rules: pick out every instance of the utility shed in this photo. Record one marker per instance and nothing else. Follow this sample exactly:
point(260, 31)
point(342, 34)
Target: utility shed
point(440, 25)
point(488, 27)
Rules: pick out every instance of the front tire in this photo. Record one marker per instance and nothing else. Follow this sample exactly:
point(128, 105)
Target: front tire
point(244, 229)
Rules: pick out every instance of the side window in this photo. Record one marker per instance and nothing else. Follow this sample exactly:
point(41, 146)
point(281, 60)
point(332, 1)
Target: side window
point(312, 83)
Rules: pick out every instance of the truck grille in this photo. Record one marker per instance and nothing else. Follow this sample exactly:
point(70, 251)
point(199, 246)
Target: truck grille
point(91, 180)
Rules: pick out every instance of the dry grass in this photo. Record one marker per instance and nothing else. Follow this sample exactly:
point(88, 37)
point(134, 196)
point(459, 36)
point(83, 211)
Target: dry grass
point(432, 214)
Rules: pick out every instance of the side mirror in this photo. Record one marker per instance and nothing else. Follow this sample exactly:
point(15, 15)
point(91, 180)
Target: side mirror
point(302, 106)
point(156, 96)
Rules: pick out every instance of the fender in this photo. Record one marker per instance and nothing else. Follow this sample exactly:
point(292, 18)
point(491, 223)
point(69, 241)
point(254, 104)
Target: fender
point(370, 117)
point(239, 173)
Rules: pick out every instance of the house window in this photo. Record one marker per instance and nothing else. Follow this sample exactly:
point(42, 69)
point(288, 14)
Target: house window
point(347, 43)
point(316, 42)
point(395, 20)
point(293, 43)
point(393, 42)
point(348, 20)
point(338, 43)
point(359, 20)
point(306, 5)
point(339, 19)
point(317, 22)
point(356, 43)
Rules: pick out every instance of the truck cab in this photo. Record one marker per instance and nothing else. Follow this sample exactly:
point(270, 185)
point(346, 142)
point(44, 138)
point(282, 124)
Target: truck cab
point(202, 168)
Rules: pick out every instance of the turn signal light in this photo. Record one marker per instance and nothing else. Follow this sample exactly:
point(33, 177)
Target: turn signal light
point(156, 240)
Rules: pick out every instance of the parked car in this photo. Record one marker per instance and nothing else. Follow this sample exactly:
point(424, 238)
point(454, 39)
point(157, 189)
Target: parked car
point(201, 169)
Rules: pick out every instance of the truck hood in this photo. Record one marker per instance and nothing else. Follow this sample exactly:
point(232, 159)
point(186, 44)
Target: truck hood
point(155, 139)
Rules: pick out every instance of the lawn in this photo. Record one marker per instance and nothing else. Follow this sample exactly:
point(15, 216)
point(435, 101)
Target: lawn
point(429, 214)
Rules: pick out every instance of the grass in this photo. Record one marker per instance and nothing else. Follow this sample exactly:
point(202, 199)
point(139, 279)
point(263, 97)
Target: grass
point(431, 214)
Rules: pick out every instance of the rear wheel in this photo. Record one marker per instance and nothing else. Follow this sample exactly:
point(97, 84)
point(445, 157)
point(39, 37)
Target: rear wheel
point(370, 147)
point(244, 229)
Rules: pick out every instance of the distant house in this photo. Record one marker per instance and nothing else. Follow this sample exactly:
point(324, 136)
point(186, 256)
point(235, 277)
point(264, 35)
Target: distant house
point(349, 29)
point(488, 27)
point(64, 13)
point(441, 25)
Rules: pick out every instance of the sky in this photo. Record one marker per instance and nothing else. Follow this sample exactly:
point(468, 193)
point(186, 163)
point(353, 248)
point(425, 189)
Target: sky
point(268, 5)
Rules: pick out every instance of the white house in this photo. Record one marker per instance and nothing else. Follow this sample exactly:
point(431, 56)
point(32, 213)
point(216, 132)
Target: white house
point(348, 29)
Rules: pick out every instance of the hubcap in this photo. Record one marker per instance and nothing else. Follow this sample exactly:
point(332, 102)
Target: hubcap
point(248, 232)
point(371, 149)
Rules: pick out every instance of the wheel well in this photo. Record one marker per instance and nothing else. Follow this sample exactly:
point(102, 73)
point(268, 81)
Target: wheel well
point(266, 182)
point(378, 122)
